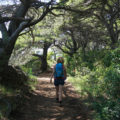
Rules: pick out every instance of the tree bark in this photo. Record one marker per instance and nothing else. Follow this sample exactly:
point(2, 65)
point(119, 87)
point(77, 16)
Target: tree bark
point(44, 64)
point(10, 36)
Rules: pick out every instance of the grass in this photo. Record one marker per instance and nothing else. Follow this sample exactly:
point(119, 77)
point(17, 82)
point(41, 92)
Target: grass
point(4, 103)
point(7, 91)
point(7, 96)
point(32, 82)
point(78, 83)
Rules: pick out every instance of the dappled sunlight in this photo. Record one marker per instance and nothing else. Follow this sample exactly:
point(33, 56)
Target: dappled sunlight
point(41, 104)
point(73, 40)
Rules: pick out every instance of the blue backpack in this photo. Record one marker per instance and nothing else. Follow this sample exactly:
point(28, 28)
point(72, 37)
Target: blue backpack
point(59, 70)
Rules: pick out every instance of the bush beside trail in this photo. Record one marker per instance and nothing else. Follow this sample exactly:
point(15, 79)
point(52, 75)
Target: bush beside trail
point(14, 86)
point(100, 81)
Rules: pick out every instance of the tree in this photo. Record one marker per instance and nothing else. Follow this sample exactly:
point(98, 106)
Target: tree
point(15, 27)
point(108, 12)
point(43, 34)
point(77, 33)
point(19, 21)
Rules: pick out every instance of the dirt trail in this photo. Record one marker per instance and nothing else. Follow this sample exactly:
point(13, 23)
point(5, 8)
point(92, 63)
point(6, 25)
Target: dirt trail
point(43, 106)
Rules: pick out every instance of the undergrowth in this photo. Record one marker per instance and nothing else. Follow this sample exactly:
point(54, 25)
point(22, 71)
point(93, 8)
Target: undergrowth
point(101, 82)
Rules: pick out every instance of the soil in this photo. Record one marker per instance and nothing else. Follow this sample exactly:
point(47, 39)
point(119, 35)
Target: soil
point(42, 105)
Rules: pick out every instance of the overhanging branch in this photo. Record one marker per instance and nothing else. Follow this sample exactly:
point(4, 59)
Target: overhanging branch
point(41, 17)
point(6, 19)
point(67, 8)
point(14, 36)
point(82, 13)
point(56, 15)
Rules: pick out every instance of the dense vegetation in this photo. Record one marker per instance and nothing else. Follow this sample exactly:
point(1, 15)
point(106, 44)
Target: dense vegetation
point(99, 80)
point(85, 32)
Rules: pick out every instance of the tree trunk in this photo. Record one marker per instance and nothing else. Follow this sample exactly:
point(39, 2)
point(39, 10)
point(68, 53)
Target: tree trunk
point(6, 49)
point(44, 64)
point(10, 36)
point(114, 39)
point(113, 34)
point(4, 58)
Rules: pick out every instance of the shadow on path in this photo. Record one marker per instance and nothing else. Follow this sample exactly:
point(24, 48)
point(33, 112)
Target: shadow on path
point(41, 104)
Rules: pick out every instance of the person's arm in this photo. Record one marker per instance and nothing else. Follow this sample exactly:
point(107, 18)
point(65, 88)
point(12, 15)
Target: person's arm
point(52, 76)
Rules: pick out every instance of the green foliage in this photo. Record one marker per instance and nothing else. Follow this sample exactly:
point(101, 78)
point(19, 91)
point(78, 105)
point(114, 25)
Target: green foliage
point(112, 57)
point(1, 115)
point(70, 65)
point(81, 62)
point(112, 81)
point(102, 82)
point(5, 103)
point(4, 108)
point(32, 66)
point(63, 2)
point(50, 59)
point(107, 59)
point(7, 91)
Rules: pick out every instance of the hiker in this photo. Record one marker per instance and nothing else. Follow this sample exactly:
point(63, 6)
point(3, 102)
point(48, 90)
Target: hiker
point(59, 73)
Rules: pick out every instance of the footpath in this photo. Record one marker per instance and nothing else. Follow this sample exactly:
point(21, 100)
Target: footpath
point(41, 105)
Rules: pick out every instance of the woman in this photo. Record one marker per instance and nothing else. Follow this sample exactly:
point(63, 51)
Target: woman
point(59, 73)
